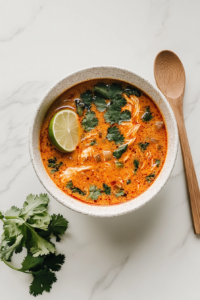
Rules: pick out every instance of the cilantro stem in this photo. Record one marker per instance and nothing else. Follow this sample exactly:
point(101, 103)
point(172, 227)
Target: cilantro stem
point(5, 262)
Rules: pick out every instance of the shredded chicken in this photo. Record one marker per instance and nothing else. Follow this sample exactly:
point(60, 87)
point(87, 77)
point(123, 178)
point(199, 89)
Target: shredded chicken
point(130, 142)
point(69, 172)
point(133, 100)
point(148, 154)
point(153, 166)
point(86, 153)
point(88, 136)
point(126, 157)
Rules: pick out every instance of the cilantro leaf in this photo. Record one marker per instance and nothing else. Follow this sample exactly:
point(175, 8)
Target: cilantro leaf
point(40, 220)
point(119, 193)
point(93, 143)
point(101, 89)
point(130, 90)
point(125, 116)
point(40, 246)
point(114, 115)
point(106, 189)
point(90, 121)
point(34, 205)
point(42, 281)
point(158, 162)
point(31, 262)
point(54, 262)
point(100, 104)
point(13, 212)
point(150, 177)
point(94, 192)
point(118, 153)
point(136, 165)
point(74, 189)
point(6, 250)
point(58, 226)
point(69, 184)
point(108, 91)
point(115, 135)
point(1, 216)
point(12, 228)
point(87, 98)
point(147, 116)
point(77, 190)
point(143, 146)
point(114, 90)
point(119, 101)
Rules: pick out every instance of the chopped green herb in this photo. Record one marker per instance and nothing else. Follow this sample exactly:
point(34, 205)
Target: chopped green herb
point(106, 189)
point(31, 227)
point(90, 121)
point(77, 190)
point(132, 91)
point(143, 146)
point(158, 162)
point(128, 181)
point(114, 115)
point(108, 91)
point(94, 192)
point(150, 177)
point(100, 103)
point(119, 164)
point(119, 101)
point(136, 165)
point(52, 164)
point(80, 106)
point(93, 143)
point(69, 184)
point(74, 189)
point(147, 116)
point(87, 98)
point(52, 160)
point(118, 153)
point(115, 135)
point(101, 89)
point(119, 193)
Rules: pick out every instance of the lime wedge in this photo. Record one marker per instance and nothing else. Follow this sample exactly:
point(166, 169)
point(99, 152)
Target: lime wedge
point(64, 130)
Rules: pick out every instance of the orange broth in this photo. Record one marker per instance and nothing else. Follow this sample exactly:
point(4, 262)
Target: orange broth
point(125, 179)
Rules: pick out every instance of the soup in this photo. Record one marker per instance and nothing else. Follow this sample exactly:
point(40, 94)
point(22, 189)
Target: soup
point(121, 148)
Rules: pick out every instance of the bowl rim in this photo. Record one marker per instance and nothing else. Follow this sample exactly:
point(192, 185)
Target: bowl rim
point(90, 211)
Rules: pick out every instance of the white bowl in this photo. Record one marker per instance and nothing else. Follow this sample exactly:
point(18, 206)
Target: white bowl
point(98, 73)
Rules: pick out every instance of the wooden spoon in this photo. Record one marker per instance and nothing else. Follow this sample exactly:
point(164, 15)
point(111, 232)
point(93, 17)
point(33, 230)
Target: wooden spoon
point(170, 78)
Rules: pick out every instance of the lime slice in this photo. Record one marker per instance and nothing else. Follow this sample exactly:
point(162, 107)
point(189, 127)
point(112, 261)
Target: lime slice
point(64, 130)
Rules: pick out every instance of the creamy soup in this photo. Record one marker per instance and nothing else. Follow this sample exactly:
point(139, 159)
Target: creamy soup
point(122, 144)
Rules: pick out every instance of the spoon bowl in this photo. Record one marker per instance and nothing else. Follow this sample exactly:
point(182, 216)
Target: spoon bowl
point(169, 74)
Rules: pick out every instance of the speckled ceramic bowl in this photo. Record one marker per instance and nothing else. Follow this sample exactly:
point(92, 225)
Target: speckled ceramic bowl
point(98, 73)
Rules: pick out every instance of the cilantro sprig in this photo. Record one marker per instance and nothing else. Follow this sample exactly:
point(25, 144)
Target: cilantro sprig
point(94, 192)
point(32, 227)
point(118, 152)
point(74, 189)
point(115, 135)
point(52, 163)
point(147, 116)
point(90, 121)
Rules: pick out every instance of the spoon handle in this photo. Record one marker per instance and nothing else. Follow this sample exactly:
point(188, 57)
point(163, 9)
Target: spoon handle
point(192, 183)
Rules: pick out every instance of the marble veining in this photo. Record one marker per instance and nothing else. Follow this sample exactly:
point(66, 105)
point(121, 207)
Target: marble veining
point(151, 253)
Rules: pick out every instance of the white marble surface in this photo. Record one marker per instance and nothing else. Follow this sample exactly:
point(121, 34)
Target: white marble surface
point(153, 252)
